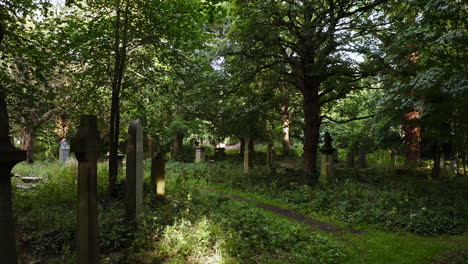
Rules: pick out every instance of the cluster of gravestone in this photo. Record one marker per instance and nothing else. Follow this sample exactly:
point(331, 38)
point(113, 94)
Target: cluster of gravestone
point(87, 147)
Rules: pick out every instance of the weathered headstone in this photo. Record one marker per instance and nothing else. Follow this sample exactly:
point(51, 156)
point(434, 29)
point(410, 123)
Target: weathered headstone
point(134, 169)
point(64, 152)
point(269, 154)
point(199, 154)
point(9, 157)
point(246, 157)
point(220, 153)
point(87, 145)
point(327, 174)
point(158, 174)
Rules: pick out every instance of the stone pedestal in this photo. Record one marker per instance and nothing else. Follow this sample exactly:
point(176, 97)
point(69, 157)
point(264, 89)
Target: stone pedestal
point(327, 174)
point(199, 154)
point(9, 157)
point(220, 153)
point(246, 157)
point(64, 151)
point(134, 169)
point(158, 175)
point(87, 146)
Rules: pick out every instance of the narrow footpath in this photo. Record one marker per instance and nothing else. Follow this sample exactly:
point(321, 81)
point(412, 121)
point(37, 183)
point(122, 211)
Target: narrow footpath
point(308, 221)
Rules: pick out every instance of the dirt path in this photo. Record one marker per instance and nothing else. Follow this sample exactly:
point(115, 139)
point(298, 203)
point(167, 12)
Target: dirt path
point(308, 221)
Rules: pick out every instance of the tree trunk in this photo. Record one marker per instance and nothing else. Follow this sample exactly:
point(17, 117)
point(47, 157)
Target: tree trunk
point(242, 147)
point(113, 143)
point(178, 144)
point(285, 118)
point(412, 138)
point(251, 152)
point(29, 139)
point(311, 124)
point(437, 157)
point(393, 158)
point(350, 157)
point(120, 50)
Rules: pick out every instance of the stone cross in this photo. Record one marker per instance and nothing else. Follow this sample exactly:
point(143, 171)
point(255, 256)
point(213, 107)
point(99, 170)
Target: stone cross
point(246, 156)
point(64, 152)
point(158, 174)
point(9, 157)
point(87, 146)
point(199, 154)
point(327, 174)
point(134, 169)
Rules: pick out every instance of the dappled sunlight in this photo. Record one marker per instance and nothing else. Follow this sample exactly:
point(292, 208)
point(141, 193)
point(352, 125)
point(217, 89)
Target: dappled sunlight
point(200, 242)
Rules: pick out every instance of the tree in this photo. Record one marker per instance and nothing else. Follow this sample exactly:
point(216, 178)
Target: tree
point(424, 72)
point(29, 74)
point(309, 37)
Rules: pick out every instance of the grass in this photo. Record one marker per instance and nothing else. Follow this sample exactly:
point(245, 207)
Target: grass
point(194, 226)
point(374, 246)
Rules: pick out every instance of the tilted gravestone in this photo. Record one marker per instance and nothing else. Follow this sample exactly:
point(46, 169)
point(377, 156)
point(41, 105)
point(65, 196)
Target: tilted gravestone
point(158, 174)
point(9, 157)
point(134, 169)
point(64, 152)
point(87, 146)
point(246, 157)
point(327, 174)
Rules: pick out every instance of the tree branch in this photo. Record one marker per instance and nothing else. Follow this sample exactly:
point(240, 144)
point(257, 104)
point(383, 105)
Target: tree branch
point(346, 121)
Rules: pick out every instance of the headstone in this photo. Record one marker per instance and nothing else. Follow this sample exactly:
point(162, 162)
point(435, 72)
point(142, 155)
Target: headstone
point(9, 157)
point(158, 174)
point(199, 154)
point(87, 145)
point(64, 152)
point(220, 153)
point(269, 154)
point(327, 174)
point(246, 157)
point(134, 169)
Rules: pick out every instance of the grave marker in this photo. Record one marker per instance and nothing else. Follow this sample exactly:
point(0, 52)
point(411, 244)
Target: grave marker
point(64, 152)
point(327, 167)
point(199, 154)
point(269, 154)
point(134, 169)
point(246, 157)
point(220, 153)
point(158, 174)
point(87, 145)
point(9, 157)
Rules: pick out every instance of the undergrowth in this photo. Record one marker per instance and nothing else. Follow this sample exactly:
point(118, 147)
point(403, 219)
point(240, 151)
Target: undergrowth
point(435, 208)
point(189, 226)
